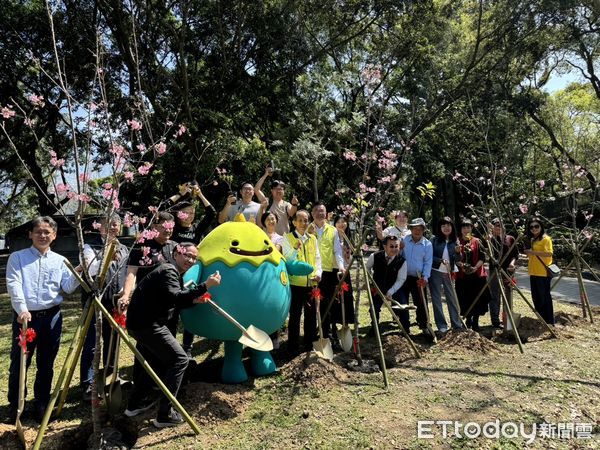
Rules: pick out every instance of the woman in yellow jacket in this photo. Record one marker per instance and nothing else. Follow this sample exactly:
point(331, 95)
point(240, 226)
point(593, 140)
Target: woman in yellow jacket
point(540, 257)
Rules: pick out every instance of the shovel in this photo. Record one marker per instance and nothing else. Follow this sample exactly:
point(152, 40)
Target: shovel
point(345, 333)
point(322, 347)
point(115, 394)
point(455, 299)
point(251, 337)
point(426, 308)
point(22, 376)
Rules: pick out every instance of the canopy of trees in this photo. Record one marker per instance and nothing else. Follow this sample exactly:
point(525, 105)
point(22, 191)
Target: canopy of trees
point(457, 86)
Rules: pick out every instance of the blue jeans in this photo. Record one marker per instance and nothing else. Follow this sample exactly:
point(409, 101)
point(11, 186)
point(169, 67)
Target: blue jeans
point(48, 328)
point(437, 281)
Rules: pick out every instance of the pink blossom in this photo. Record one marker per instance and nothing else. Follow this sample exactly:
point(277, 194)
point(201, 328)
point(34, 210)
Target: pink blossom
point(221, 171)
point(128, 175)
point(141, 148)
point(182, 130)
point(54, 161)
point(128, 220)
point(116, 203)
point(62, 188)
point(145, 251)
point(180, 249)
point(84, 177)
point(362, 187)
point(71, 195)
point(389, 154)
point(153, 209)
point(150, 234)
point(587, 234)
point(182, 215)
point(142, 220)
point(84, 198)
point(107, 185)
point(93, 106)
point(365, 247)
point(118, 150)
point(371, 74)
point(168, 225)
point(145, 261)
point(350, 156)
point(134, 124)
point(523, 208)
point(36, 100)
point(386, 163)
point(29, 122)
point(161, 148)
point(107, 193)
point(144, 169)
point(541, 184)
point(384, 180)
point(96, 225)
point(169, 123)
point(588, 216)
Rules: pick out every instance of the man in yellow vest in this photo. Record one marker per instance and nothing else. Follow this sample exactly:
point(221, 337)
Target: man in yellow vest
point(332, 263)
point(302, 246)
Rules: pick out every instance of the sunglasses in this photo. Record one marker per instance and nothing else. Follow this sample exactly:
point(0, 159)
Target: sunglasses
point(534, 227)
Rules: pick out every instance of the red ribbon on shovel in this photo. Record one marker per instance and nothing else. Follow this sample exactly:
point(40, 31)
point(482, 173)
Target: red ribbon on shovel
point(120, 318)
point(26, 337)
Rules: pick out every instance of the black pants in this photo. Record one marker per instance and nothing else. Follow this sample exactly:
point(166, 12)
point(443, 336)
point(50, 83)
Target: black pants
point(48, 327)
point(327, 286)
point(542, 299)
point(86, 370)
point(411, 289)
point(166, 357)
point(301, 301)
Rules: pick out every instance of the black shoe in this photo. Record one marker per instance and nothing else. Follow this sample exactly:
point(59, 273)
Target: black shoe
point(135, 409)
point(173, 418)
point(498, 326)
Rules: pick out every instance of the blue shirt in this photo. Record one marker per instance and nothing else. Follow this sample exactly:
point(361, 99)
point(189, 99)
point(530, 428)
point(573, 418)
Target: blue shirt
point(34, 281)
point(418, 255)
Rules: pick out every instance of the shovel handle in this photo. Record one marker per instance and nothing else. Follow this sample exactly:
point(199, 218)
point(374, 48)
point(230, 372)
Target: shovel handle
point(229, 317)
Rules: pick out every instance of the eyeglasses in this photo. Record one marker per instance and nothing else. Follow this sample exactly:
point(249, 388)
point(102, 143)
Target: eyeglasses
point(534, 227)
point(189, 257)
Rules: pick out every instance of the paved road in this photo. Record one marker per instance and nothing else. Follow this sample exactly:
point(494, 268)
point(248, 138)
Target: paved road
point(566, 290)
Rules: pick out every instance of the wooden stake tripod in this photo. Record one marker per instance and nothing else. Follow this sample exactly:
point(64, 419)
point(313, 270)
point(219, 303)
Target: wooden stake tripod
point(75, 350)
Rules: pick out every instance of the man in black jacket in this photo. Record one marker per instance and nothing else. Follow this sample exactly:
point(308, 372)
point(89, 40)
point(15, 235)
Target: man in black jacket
point(389, 272)
point(152, 305)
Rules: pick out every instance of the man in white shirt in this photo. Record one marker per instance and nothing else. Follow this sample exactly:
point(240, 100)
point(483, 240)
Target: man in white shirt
point(389, 272)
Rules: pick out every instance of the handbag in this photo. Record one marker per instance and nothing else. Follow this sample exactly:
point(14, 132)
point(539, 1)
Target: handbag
point(552, 270)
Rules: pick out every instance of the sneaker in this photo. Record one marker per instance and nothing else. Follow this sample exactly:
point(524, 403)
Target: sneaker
point(135, 409)
point(173, 418)
point(498, 326)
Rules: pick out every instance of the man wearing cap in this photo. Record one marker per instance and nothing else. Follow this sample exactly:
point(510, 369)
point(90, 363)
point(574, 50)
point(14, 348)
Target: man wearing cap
point(504, 256)
point(389, 272)
point(282, 209)
point(400, 229)
point(418, 253)
point(245, 206)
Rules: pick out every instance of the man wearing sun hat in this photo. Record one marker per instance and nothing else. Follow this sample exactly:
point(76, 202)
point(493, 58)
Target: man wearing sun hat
point(418, 253)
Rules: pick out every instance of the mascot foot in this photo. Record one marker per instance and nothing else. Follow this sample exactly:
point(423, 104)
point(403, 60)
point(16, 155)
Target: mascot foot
point(262, 363)
point(233, 369)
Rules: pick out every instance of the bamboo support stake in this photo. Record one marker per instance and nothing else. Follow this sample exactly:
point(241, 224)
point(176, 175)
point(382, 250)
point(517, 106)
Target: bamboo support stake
point(508, 310)
point(375, 325)
point(537, 314)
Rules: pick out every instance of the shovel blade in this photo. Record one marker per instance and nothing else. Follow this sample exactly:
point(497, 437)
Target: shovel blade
point(257, 339)
point(114, 398)
point(323, 349)
point(346, 338)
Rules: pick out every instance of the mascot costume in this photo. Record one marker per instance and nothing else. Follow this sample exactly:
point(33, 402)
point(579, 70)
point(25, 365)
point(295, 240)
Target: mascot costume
point(254, 289)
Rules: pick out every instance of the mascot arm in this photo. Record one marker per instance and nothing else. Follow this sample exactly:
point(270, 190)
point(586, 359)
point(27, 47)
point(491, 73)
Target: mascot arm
point(298, 268)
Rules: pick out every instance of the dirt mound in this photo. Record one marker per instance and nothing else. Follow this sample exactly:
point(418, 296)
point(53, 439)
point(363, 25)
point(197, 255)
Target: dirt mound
point(531, 329)
point(396, 350)
point(59, 435)
point(211, 403)
point(466, 341)
point(566, 319)
point(311, 371)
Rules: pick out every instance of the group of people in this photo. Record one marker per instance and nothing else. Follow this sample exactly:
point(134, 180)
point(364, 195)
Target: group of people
point(146, 282)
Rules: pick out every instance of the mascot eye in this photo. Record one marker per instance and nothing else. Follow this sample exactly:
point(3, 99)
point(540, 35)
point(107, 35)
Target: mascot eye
point(266, 242)
point(235, 243)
